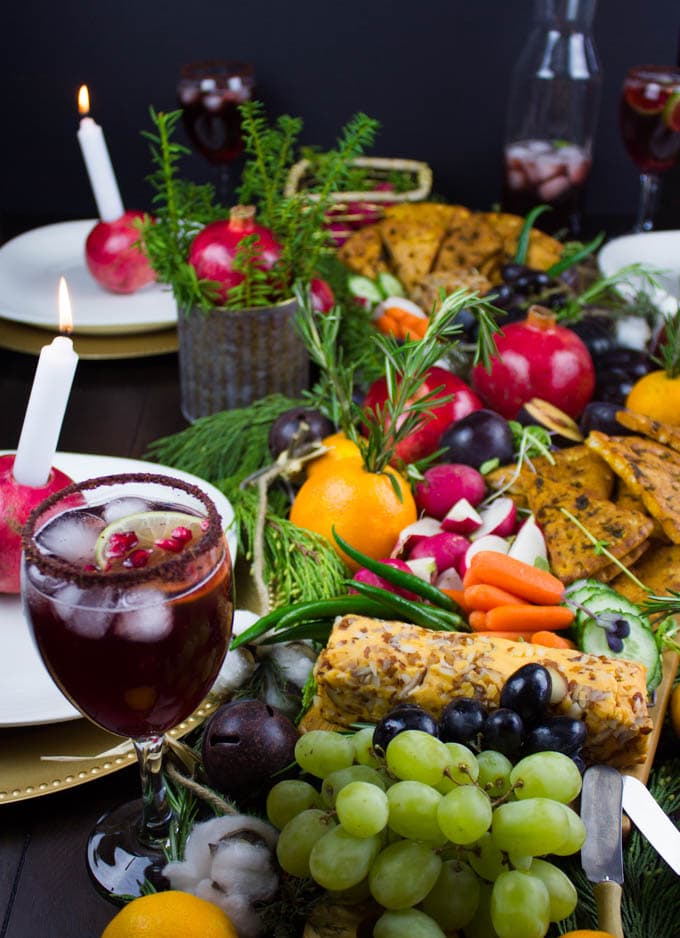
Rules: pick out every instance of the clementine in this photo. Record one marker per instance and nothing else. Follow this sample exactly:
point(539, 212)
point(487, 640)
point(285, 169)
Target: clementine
point(367, 509)
point(171, 914)
point(339, 447)
point(656, 395)
point(587, 933)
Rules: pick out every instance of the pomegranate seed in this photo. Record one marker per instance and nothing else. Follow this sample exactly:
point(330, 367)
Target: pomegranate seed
point(90, 568)
point(182, 534)
point(170, 544)
point(138, 558)
point(119, 544)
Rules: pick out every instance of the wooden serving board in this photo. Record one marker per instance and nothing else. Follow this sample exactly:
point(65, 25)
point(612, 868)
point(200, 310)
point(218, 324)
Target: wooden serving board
point(358, 921)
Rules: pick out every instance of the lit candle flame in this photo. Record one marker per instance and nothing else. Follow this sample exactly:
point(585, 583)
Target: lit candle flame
point(65, 315)
point(83, 100)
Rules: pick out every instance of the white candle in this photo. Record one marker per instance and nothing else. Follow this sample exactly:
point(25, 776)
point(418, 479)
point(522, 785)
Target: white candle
point(46, 408)
point(98, 164)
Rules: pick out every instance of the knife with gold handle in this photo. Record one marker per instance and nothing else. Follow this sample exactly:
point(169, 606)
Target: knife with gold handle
point(602, 852)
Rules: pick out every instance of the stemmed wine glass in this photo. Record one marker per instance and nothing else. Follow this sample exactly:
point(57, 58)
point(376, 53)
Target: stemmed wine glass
point(650, 127)
point(210, 93)
point(127, 586)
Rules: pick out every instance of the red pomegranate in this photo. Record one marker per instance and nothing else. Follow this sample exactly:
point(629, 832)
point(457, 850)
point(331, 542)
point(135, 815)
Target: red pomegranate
point(538, 358)
point(424, 440)
point(216, 247)
point(114, 256)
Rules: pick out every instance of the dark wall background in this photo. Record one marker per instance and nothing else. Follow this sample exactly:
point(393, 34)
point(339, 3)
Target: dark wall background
point(434, 73)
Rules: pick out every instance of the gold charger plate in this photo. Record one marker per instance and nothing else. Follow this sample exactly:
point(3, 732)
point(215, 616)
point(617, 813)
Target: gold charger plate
point(19, 337)
point(26, 773)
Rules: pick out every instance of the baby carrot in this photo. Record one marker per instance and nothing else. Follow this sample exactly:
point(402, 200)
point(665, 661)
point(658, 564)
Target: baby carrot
point(512, 635)
point(483, 596)
point(551, 640)
point(517, 577)
point(540, 618)
point(388, 325)
point(413, 325)
point(457, 596)
point(470, 578)
point(477, 620)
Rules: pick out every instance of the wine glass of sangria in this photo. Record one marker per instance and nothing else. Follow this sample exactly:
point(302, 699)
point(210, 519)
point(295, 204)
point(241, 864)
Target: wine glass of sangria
point(210, 94)
point(127, 587)
point(650, 127)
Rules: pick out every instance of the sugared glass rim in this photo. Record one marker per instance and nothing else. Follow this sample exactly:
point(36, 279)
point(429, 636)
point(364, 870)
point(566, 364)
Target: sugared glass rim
point(219, 69)
point(170, 570)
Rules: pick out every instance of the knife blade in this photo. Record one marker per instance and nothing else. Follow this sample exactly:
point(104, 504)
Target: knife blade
point(649, 818)
point(602, 852)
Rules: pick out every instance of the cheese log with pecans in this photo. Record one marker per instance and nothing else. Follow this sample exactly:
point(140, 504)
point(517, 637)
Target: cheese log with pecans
point(370, 665)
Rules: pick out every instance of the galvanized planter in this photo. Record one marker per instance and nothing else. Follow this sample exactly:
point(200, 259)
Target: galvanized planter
point(230, 358)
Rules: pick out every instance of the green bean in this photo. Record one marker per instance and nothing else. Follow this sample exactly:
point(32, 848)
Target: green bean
point(299, 612)
point(399, 578)
point(418, 613)
point(316, 629)
point(525, 233)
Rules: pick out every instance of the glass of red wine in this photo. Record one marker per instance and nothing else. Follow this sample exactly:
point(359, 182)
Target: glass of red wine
point(650, 127)
point(210, 93)
point(127, 587)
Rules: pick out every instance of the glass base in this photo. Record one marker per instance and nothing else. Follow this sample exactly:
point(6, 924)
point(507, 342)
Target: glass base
point(118, 860)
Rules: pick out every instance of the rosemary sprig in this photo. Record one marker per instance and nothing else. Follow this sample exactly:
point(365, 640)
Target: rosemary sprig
point(405, 366)
point(600, 292)
point(669, 350)
point(600, 547)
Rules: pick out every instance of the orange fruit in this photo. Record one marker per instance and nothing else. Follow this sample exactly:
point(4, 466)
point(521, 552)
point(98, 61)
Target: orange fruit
point(339, 447)
point(587, 933)
point(657, 396)
point(362, 506)
point(171, 914)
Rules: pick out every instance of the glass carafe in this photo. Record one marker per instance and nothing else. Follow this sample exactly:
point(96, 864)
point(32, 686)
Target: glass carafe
point(552, 114)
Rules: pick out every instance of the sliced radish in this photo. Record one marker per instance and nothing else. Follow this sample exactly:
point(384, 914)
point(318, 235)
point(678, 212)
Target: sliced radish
point(412, 533)
point(449, 580)
point(529, 544)
point(462, 518)
point(447, 549)
point(488, 542)
point(401, 304)
point(445, 484)
point(500, 517)
point(423, 567)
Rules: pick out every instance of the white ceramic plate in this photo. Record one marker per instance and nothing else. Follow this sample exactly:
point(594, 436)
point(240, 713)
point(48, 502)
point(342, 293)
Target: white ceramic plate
point(28, 695)
point(655, 249)
point(30, 267)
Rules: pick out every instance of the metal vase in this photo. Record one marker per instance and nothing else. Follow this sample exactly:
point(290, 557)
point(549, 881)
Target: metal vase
point(230, 358)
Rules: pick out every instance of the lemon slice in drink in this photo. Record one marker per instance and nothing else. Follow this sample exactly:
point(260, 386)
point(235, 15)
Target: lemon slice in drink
point(145, 539)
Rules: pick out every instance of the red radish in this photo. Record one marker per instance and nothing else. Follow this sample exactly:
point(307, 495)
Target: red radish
point(449, 580)
point(215, 248)
point(114, 256)
point(323, 299)
point(462, 518)
point(423, 567)
point(446, 484)
point(537, 358)
point(529, 544)
point(424, 440)
point(500, 517)
point(447, 549)
point(373, 579)
point(16, 504)
point(488, 542)
point(415, 532)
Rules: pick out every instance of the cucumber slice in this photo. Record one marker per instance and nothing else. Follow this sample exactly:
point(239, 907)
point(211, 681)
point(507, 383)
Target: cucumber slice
point(640, 645)
point(389, 285)
point(364, 288)
point(608, 600)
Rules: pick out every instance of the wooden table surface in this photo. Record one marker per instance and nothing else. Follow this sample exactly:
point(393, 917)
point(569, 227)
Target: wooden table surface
point(116, 408)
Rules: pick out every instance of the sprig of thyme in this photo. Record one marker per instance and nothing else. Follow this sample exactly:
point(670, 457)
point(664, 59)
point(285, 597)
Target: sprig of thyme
point(601, 548)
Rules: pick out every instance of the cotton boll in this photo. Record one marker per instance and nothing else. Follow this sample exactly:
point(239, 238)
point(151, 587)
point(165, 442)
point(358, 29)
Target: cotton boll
point(182, 875)
point(237, 669)
point(245, 869)
point(238, 908)
point(294, 659)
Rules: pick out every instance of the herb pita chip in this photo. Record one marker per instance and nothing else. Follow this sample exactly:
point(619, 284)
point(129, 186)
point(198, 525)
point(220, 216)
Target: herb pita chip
point(571, 553)
point(650, 470)
point(469, 245)
point(659, 571)
point(362, 252)
point(412, 247)
point(663, 433)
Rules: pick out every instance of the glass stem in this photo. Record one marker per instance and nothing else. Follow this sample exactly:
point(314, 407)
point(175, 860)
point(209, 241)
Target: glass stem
point(649, 188)
point(157, 814)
